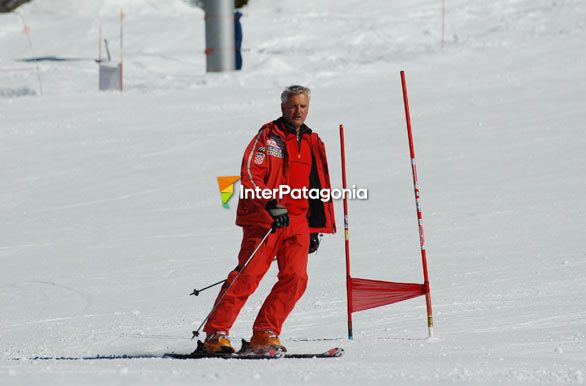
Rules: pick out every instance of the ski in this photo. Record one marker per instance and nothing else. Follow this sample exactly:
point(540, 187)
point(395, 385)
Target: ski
point(199, 353)
point(245, 353)
point(275, 354)
point(335, 352)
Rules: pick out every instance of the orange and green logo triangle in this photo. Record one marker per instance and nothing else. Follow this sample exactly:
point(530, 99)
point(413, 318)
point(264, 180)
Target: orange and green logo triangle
point(226, 185)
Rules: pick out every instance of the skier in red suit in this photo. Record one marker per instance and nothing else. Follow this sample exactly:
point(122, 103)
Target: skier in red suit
point(284, 152)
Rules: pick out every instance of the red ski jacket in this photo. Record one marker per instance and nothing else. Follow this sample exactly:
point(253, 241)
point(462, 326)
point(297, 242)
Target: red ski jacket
point(265, 166)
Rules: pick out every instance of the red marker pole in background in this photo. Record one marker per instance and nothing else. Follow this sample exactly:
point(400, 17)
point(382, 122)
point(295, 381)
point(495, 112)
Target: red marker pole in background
point(27, 31)
point(346, 235)
point(419, 213)
point(443, 23)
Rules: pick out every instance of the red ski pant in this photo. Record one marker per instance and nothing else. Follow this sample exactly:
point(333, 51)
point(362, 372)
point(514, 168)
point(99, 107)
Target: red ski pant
point(290, 245)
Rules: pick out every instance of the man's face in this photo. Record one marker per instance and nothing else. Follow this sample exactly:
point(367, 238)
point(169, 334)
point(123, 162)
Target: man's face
point(295, 109)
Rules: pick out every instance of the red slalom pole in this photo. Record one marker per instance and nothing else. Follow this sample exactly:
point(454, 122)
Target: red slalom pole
point(418, 207)
point(346, 235)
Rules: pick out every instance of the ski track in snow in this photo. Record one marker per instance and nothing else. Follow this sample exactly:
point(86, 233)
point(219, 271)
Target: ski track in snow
point(110, 214)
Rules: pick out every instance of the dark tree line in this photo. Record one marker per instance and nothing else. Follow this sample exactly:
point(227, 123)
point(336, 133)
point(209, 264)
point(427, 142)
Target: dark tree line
point(11, 5)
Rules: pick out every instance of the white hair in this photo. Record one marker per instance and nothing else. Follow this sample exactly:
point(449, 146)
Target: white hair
point(294, 90)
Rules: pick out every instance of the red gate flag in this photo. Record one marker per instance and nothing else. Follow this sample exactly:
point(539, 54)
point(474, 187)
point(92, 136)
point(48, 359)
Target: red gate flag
point(368, 293)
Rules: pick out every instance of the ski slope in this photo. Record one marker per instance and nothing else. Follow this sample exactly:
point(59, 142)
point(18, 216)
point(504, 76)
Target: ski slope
point(110, 214)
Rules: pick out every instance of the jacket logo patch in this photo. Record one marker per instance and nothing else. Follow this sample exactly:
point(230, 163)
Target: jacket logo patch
point(275, 140)
point(275, 146)
point(259, 158)
point(275, 152)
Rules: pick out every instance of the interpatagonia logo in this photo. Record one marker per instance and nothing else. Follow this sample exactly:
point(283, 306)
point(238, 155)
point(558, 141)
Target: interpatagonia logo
point(325, 195)
point(226, 185)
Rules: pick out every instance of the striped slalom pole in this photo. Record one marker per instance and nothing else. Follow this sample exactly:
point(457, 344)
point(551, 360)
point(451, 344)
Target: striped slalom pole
point(346, 235)
point(418, 207)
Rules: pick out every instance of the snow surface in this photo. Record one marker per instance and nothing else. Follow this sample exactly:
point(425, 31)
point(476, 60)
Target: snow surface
point(111, 215)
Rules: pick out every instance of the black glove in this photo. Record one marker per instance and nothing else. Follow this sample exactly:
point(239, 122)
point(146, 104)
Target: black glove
point(278, 213)
point(314, 241)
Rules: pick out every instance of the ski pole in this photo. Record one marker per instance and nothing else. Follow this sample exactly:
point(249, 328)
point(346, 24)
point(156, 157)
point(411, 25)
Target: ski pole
point(196, 291)
point(196, 332)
